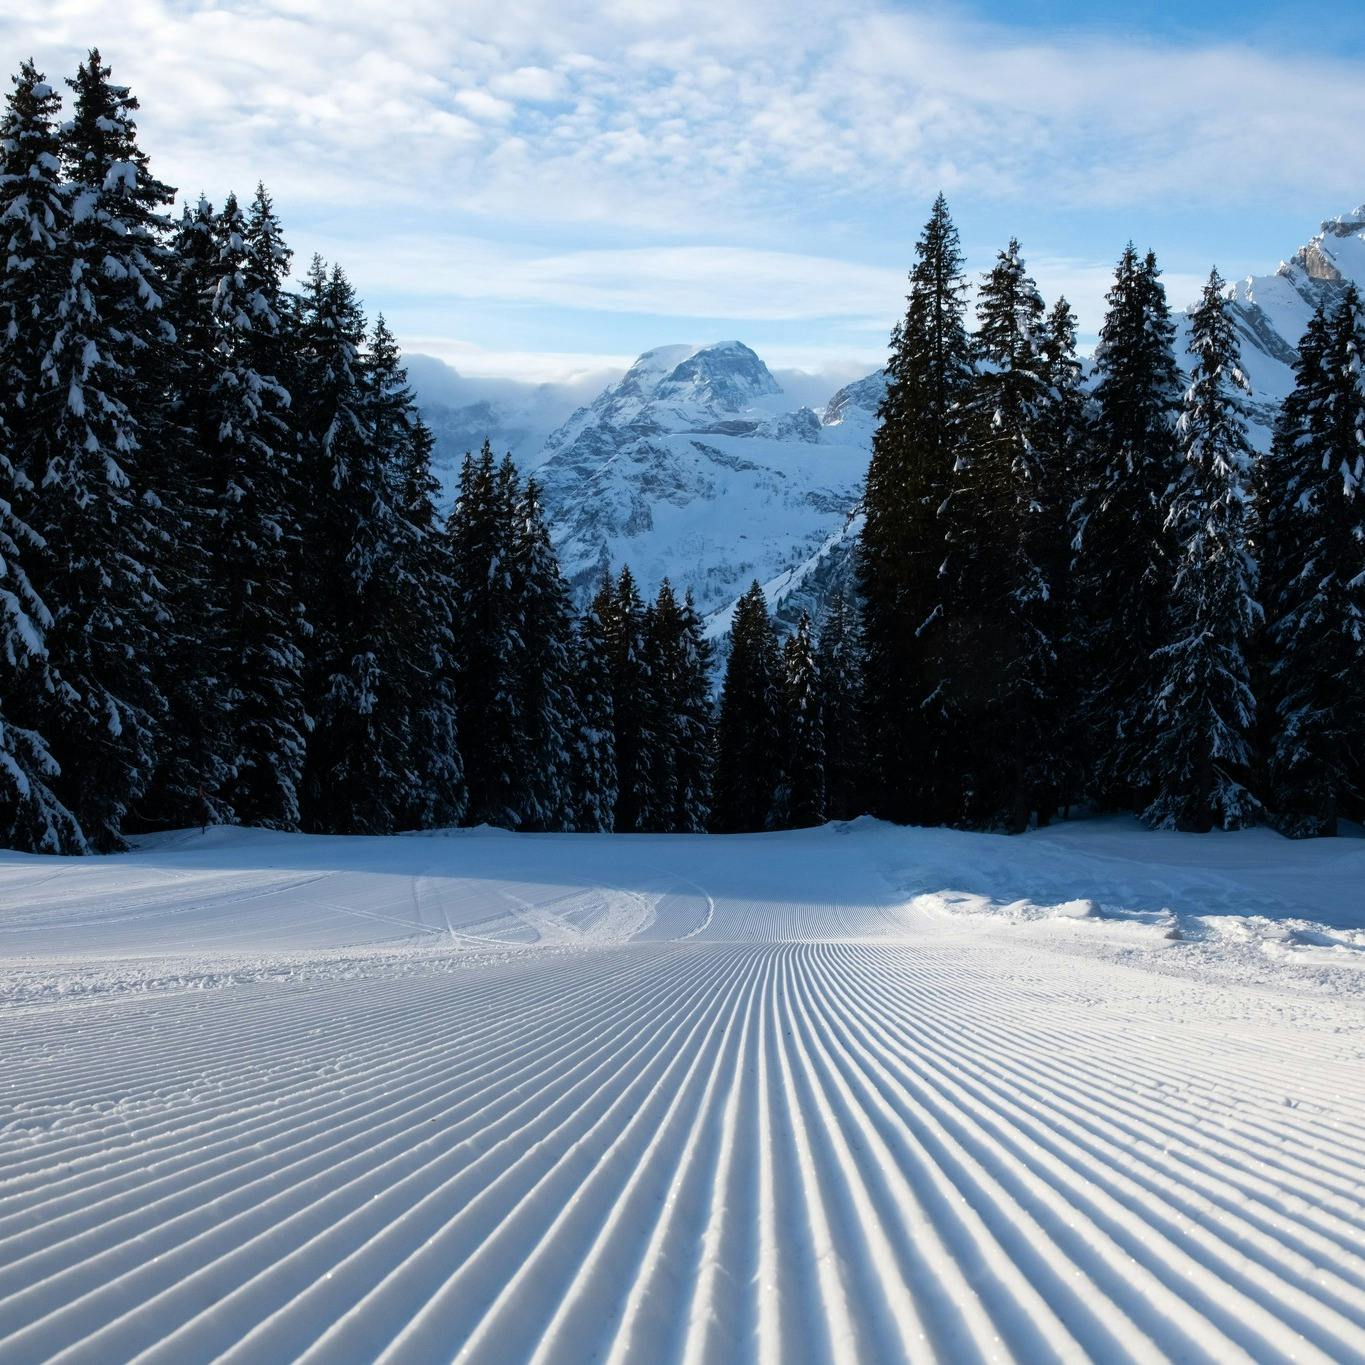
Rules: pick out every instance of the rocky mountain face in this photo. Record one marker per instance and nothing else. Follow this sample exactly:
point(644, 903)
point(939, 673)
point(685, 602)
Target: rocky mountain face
point(694, 467)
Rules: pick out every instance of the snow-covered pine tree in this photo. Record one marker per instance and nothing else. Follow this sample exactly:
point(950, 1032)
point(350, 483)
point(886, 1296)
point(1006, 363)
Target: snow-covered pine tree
point(661, 649)
point(902, 548)
point(274, 347)
point(356, 779)
point(266, 269)
point(998, 657)
point(694, 724)
point(623, 615)
point(803, 801)
point(487, 640)
point(1312, 534)
point(35, 222)
point(437, 767)
point(838, 667)
point(593, 743)
point(275, 341)
point(252, 540)
point(1061, 442)
point(193, 777)
point(32, 817)
point(92, 439)
point(749, 722)
point(1123, 562)
point(412, 563)
point(1203, 710)
point(1282, 538)
point(545, 669)
point(679, 658)
point(33, 219)
point(1348, 359)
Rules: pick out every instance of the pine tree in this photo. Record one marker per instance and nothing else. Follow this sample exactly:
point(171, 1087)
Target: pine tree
point(803, 802)
point(265, 270)
point(1123, 557)
point(252, 540)
point(999, 660)
point(545, 669)
point(694, 724)
point(32, 816)
point(679, 722)
point(1313, 529)
point(593, 742)
point(839, 677)
point(411, 568)
point(33, 222)
point(1204, 711)
point(192, 780)
point(356, 779)
point(902, 547)
point(660, 641)
point(1061, 451)
point(623, 616)
point(749, 722)
point(480, 534)
point(91, 436)
point(427, 642)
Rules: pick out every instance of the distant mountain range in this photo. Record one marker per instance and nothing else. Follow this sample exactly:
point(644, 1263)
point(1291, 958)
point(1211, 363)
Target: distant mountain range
point(696, 466)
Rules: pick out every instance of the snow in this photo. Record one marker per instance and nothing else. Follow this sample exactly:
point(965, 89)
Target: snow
point(857, 1093)
point(696, 467)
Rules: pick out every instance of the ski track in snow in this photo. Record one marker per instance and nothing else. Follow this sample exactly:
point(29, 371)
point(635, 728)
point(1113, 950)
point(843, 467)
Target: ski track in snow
point(855, 1094)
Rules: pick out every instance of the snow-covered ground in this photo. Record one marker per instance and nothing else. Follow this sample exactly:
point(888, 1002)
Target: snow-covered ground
point(857, 1093)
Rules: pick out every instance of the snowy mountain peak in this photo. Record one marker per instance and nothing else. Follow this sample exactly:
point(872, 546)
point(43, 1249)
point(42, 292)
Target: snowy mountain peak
point(1272, 311)
point(642, 380)
point(861, 400)
point(1346, 224)
point(696, 466)
point(696, 383)
point(726, 376)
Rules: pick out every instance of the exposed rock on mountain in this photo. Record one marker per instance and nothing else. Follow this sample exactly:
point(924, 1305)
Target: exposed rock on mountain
point(694, 467)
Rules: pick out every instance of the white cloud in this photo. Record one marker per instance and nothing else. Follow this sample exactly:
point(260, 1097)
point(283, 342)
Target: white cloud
point(483, 105)
point(586, 370)
point(638, 111)
point(529, 83)
point(665, 149)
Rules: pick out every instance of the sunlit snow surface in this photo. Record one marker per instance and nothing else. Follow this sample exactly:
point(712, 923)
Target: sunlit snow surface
point(858, 1093)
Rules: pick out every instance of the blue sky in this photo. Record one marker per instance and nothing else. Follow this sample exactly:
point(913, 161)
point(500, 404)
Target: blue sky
point(542, 189)
point(1330, 28)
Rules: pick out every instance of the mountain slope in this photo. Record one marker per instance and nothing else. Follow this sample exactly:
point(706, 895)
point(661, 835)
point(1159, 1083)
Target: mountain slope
point(462, 411)
point(695, 467)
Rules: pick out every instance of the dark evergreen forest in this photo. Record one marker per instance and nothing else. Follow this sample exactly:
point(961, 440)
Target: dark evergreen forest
point(228, 592)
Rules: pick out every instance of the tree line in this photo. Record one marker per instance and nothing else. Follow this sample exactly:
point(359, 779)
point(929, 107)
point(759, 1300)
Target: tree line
point(227, 592)
point(1096, 593)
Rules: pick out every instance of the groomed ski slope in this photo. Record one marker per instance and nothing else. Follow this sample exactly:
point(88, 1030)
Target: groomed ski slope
point(856, 1094)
